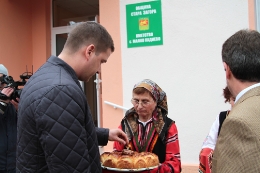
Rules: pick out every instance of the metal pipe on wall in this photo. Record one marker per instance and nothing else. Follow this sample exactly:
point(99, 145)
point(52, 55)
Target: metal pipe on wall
point(98, 81)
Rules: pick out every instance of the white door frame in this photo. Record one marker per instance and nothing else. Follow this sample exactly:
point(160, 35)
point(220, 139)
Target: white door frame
point(54, 32)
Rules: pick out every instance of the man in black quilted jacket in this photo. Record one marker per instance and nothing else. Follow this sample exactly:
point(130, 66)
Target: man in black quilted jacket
point(55, 128)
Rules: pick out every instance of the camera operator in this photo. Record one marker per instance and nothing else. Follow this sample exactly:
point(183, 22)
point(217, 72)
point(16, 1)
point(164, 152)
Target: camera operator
point(8, 127)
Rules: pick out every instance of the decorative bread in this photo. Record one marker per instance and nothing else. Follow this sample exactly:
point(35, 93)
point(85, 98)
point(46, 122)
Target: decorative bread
point(128, 159)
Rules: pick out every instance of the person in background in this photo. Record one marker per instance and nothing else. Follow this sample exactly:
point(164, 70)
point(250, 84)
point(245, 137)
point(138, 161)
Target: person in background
point(238, 144)
point(56, 132)
point(149, 128)
point(8, 126)
point(208, 146)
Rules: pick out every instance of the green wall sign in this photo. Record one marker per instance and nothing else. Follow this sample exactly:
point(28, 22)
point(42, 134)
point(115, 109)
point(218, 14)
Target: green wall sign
point(144, 24)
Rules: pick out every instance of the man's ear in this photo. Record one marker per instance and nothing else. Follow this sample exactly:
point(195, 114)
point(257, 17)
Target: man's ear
point(89, 50)
point(227, 70)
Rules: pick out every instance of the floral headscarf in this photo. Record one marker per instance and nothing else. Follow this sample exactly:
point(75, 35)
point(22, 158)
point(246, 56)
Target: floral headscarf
point(131, 117)
point(156, 91)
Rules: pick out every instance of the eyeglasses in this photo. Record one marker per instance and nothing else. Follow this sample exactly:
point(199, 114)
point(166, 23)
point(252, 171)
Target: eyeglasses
point(144, 103)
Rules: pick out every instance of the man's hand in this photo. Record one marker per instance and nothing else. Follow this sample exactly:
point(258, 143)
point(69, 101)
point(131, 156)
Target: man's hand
point(15, 103)
point(7, 91)
point(118, 135)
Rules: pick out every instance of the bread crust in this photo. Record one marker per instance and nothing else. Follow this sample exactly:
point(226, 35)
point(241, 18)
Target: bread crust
point(128, 159)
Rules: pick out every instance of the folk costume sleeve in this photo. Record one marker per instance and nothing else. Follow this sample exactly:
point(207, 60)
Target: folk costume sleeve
point(208, 146)
point(211, 139)
point(205, 158)
point(172, 163)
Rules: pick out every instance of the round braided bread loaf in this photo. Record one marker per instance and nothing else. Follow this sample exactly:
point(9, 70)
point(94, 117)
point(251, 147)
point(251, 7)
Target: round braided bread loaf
point(128, 159)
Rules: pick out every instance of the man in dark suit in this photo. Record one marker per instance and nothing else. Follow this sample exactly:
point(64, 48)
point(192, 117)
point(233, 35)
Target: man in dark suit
point(238, 145)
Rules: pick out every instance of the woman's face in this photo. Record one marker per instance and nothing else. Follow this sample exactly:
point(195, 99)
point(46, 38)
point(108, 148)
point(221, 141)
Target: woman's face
point(144, 104)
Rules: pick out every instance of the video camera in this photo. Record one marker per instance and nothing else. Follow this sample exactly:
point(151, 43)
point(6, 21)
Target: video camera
point(9, 81)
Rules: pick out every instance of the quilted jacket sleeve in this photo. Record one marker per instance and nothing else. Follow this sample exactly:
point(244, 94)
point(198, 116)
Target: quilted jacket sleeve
point(102, 136)
point(60, 118)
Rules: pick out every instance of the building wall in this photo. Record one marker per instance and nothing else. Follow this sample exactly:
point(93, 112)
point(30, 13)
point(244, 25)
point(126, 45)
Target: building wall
point(252, 14)
point(25, 35)
point(41, 32)
point(111, 72)
point(188, 66)
point(15, 34)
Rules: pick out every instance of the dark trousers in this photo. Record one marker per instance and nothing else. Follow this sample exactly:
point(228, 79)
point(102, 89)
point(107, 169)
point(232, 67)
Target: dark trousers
point(9, 171)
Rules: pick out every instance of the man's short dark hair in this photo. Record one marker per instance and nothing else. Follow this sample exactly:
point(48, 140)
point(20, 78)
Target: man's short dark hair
point(241, 52)
point(87, 33)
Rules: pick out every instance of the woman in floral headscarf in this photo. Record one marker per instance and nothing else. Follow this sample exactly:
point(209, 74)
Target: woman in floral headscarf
point(149, 129)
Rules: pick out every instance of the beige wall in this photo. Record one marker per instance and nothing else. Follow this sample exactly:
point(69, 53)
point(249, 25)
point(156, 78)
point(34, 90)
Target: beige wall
point(252, 14)
point(15, 36)
point(25, 40)
point(111, 71)
point(25, 34)
point(193, 34)
point(41, 32)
